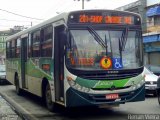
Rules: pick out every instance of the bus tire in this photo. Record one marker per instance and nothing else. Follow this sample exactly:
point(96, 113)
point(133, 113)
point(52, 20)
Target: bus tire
point(48, 99)
point(18, 89)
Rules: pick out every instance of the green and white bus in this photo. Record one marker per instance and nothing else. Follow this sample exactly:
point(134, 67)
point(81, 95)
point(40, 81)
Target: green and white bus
point(79, 58)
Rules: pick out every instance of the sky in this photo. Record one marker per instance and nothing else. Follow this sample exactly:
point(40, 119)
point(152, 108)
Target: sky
point(45, 9)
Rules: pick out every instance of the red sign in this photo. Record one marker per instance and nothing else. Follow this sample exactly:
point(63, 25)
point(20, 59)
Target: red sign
point(112, 96)
point(82, 61)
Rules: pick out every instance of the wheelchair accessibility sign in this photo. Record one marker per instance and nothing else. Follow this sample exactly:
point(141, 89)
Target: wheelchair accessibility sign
point(117, 63)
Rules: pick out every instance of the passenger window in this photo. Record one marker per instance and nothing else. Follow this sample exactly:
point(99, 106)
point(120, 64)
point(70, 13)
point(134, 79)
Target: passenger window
point(8, 50)
point(13, 48)
point(36, 44)
point(18, 45)
point(47, 38)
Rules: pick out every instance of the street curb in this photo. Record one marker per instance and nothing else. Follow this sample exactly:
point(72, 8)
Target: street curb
point(18, 108)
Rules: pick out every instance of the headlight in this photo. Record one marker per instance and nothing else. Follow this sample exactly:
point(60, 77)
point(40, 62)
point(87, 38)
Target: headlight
point(76, 86)
point(136, 86)
point(72, 83)
point(139, 85)
point(142, 82)
point(85, 89)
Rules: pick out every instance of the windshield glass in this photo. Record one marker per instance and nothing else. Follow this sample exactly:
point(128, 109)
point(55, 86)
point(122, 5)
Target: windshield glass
point(103, 49)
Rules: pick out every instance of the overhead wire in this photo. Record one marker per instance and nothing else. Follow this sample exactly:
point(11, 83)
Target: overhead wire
point(62, 6)
point(17, 20)
point(8, 20)
point(19, 14)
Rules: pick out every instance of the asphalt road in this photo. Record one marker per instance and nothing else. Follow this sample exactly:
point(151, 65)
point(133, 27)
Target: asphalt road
point(31, 107)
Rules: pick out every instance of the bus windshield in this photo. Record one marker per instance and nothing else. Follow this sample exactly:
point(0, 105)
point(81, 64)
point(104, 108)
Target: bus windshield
point(91, 49)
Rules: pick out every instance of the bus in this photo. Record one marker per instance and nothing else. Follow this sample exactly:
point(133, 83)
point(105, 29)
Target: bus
point(79, 58)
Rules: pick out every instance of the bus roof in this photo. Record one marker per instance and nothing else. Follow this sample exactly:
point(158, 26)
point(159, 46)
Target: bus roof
point(62, 16)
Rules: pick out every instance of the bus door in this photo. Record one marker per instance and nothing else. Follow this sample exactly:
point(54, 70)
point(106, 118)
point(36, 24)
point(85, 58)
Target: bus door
point(24, 61)
point(59, 63)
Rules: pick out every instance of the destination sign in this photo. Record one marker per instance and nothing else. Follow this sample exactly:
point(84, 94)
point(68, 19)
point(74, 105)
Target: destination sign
point(103, 17)
point(106, 19)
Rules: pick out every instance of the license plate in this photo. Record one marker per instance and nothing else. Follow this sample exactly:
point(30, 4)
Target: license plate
point(112, 96)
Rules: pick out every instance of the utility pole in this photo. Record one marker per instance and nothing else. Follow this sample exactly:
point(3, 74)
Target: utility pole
point(82, 2)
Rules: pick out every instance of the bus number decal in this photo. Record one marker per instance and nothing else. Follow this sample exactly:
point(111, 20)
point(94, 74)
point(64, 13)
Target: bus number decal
point(82, 61)
point(92, 19)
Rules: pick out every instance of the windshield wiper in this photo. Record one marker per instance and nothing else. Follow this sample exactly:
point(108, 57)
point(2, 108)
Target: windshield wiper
point(106, 45)
point(123, 40)
point(96, 36)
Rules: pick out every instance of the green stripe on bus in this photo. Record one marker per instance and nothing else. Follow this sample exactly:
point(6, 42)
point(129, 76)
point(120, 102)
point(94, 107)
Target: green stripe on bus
point(102, 83)
point(35, 71)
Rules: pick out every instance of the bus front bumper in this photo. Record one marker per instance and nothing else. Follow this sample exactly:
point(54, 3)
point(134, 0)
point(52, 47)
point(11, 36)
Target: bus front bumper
point(76, 98)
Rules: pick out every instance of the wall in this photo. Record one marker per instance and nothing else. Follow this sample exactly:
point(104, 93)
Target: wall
point(137, 7)
point(152, 2)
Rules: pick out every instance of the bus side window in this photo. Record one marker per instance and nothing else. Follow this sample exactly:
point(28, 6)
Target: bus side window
point(18, 44)
point(30, 46)
point(13, 48)
point(8, 50)
point(36, 44)
point(47, 38)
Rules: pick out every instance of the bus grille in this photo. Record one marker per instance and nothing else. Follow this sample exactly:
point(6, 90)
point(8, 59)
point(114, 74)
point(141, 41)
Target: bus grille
point(118, 88)
point(107, 76)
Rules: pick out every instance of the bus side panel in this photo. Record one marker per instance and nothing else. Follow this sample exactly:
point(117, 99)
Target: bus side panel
point(37, 70)
point(12, 67)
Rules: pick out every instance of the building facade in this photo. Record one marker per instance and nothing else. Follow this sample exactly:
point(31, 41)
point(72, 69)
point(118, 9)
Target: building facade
point(137, 7)
point(3, 36)
point(151, 39)
point(150, 13)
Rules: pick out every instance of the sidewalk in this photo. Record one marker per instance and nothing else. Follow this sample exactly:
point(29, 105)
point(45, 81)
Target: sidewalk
point(10, 109)
point(27, 106)
point(6, 111)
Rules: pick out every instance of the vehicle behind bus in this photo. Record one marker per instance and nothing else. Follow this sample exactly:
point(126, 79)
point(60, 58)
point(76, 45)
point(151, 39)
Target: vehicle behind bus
point(158, 89)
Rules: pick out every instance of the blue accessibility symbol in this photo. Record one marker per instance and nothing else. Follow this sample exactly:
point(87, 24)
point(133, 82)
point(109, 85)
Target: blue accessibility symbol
point(117, 63)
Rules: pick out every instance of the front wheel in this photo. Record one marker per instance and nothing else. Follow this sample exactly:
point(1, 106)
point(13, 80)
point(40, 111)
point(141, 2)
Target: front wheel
point(48, 99)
